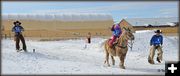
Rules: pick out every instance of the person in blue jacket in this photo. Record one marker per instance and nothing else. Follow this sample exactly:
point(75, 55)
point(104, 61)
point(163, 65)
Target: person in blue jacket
point(17, 29)
point(156, 43)
point(116, 30)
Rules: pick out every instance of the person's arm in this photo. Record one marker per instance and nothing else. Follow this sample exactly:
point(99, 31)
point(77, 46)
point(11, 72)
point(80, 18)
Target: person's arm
point(114, 32)
point(13, 29)
point(117, 32)
point(151, 41)
point(120, 31)
point(161, 40)
point(22, 28)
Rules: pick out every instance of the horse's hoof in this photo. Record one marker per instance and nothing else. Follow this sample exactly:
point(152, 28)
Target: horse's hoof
point(104, 62)
point(108, 65)
point(113, 63)
point(122, 67)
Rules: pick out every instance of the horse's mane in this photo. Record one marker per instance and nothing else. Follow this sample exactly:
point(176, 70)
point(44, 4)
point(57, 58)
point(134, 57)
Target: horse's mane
point(122, 38)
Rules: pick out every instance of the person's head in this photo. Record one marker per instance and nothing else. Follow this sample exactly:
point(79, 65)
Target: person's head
point(158, 32)
point(17, 23)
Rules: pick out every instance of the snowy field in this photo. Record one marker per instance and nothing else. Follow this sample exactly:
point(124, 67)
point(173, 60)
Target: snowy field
point(70, 57)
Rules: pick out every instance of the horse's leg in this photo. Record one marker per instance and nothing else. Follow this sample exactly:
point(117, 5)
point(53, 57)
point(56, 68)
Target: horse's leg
point(105, 61)
point(113, 61)
point(121, 64)
point(105, 52)
point(122, 58)
point(107, 55)
point(107, 58)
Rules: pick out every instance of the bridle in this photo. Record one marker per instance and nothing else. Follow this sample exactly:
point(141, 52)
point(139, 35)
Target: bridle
point(121, 43)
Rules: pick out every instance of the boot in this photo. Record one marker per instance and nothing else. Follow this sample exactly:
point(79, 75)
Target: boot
point(25, 50)
point(150, 61)
point(112, 45)
point(158, 60)
point(17, 50)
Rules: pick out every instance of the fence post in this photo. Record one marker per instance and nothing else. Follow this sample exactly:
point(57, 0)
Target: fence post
point(10, 35)
point(5, 36)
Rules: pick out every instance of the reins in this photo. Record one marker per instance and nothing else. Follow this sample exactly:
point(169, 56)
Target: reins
point(130, 44)
point(122, 44)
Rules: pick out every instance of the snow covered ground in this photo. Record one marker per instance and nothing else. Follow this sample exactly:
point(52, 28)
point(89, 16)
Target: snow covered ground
point(70, 57)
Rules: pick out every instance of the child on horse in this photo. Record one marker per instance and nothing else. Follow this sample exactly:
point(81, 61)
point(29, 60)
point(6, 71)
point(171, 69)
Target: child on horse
point(156, 44)
point(116, 29)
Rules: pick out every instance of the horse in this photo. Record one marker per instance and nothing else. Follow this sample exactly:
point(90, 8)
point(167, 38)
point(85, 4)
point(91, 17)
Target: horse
point(120, 48)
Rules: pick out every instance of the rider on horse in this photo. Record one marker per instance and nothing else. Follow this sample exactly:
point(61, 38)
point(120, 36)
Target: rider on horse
point(116, 29)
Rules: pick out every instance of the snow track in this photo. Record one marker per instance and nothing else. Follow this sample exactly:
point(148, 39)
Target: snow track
point(69, 57)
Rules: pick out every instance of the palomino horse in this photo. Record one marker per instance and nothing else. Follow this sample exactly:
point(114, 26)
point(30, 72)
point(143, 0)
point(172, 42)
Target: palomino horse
point(120, 48)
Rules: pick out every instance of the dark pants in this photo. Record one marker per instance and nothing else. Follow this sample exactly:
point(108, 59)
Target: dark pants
point(18, 38)
point(89, 40)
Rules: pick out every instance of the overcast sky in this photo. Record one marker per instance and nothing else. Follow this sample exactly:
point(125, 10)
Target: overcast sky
point(118, 9)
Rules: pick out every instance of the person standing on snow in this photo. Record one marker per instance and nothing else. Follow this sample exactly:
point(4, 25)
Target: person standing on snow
point(89, 38)
point(156, 43)
point(17, 29)
point(116, 33)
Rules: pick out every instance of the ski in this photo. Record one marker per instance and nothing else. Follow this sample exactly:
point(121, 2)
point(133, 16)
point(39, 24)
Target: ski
point(21, 50)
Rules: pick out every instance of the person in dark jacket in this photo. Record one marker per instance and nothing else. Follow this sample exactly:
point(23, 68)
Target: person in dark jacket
point(89, 38)
point(17, 29)
point(156, 43)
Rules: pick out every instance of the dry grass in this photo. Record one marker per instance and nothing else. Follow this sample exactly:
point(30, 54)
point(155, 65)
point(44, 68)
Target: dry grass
point(50, 29)
point(165, 30)
point(57, 29)
point(57, 25)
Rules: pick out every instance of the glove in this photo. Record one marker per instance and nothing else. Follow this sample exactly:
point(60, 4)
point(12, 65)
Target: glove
point(161, 45)
point(150, 44)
